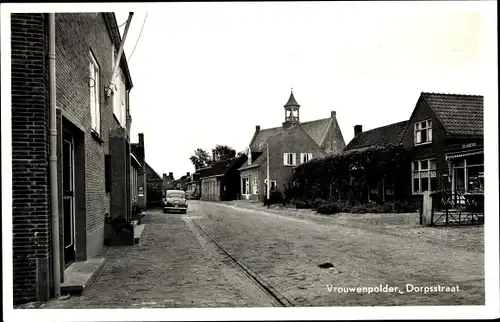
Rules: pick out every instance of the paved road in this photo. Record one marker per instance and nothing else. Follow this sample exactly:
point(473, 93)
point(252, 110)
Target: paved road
point(178, 265)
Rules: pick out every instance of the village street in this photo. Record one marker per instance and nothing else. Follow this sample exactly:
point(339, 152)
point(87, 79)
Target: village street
point(177, 264)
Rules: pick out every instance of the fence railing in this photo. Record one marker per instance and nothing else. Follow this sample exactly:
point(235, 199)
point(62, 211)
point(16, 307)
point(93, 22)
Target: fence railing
point(445, 208)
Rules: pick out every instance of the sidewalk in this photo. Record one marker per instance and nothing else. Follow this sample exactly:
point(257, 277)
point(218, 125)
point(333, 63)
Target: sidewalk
point(168, 268)
point(393, 224)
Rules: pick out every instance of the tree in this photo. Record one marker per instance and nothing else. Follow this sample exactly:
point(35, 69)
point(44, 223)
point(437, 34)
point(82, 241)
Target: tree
point(223, 152)
point(201, 159)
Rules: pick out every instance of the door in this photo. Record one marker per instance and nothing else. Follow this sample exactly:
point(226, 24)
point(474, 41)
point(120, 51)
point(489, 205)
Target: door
point(68, 174)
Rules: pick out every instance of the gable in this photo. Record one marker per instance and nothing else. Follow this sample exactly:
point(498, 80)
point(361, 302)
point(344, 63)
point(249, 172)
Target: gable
point(333, 140)
point(151, 174)
point(296, 140)
point(316, 129)
point(460, 114)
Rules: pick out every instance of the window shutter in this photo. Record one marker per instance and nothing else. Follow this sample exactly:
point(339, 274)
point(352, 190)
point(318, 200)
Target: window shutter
point(294, 158)
point(285, 158)
point(97, 94)
point(310, 157)
point(430, 135)
point(92, 84)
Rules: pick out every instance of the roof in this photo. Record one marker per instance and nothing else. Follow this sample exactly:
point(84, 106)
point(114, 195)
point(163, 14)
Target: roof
point(150, 170)
point(276, 140)
point(316, 130)
point(222, 167)
point(388, 135)
point(292, 101)
point(460, 114)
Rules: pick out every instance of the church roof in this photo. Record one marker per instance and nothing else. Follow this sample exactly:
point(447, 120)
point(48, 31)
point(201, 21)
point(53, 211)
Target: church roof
point(291, 101)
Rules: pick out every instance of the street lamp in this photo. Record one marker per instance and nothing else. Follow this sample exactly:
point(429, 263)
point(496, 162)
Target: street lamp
point(267, 156)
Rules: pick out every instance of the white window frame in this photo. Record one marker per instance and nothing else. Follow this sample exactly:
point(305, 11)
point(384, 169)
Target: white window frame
point(245, 186)
point(95, 94)
point(429, 172)
point(289, 159)
point(255, 189)
point(465, 167)
point(305, 157)
point(418, 128)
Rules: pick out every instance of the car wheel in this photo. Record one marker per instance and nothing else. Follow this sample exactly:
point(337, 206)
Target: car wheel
point(165, 211)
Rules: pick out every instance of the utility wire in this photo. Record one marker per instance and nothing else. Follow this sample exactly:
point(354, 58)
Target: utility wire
point(139, 37)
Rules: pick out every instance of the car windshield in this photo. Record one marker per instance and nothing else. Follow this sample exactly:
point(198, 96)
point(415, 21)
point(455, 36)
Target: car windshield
point(175, 195)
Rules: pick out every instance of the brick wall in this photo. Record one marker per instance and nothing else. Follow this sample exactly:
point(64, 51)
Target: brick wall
point(296, 143)
point(30, 152)
point(434, 150)
point(78, 34)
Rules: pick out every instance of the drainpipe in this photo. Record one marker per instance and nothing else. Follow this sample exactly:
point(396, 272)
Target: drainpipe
point(120, 52)
point(54, 202)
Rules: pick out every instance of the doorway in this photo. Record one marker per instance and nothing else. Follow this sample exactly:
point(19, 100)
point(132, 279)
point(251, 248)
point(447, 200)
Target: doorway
point(68, 183)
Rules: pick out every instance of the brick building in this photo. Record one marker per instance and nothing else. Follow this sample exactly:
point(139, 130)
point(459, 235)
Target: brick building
point(221, 182)
point(138, 151)
point(92, 143)
point(290, 144)
point(154, 188)
point(445, 135)
point(444, 138)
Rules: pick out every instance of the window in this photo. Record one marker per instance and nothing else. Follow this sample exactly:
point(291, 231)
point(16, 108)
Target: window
point(255, 186)
point(107, 172)
point(468, 174)
point(289, 159)
point(424, 176)
point(95, 108)
point(119, 98)
point(304, 157)
point(245, 186)
point(423, 132)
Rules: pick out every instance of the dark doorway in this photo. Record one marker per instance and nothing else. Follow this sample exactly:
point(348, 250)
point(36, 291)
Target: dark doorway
point(68, 180)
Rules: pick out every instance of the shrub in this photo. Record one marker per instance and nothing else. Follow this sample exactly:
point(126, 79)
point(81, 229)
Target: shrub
point(330, 207)
point(275, 197)
point(404, 206)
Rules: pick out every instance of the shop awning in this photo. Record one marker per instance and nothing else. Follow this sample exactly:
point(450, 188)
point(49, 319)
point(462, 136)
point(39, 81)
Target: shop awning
point(462, 154)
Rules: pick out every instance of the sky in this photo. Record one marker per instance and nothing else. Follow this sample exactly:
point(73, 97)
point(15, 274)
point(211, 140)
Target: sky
point(208, 73)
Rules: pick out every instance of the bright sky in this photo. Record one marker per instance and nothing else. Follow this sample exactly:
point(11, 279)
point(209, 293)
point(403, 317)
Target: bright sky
point(207, 73)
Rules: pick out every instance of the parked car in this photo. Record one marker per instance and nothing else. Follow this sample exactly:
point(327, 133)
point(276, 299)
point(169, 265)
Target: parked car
point(175, 200)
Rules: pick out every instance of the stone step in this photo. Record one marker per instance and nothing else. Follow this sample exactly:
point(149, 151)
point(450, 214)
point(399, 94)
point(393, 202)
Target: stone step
point(81, 275)
point(138, 231)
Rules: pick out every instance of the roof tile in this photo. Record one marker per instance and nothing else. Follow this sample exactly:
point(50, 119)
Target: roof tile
point(460, 114)
point(388, 135)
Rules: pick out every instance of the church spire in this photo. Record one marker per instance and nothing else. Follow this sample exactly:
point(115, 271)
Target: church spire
point(291, 111)
point(291, 101)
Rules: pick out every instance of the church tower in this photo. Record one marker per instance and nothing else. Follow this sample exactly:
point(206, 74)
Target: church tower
point(291, 112)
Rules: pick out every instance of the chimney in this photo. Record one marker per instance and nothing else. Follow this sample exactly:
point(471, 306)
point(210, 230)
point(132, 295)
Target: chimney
point(164, 176)
point(141, 139)
point(257, 128)
point(188, 174)
point(358, 129)
point(333, 114)
point(171, 175)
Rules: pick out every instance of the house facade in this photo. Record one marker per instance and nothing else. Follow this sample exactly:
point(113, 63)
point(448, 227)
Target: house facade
point(92, 123)
point(444, 140)
point(391, 186)
point(154, 188)
point(445, 135)
point(138, 150)
point(221, 182)
point(289, 145)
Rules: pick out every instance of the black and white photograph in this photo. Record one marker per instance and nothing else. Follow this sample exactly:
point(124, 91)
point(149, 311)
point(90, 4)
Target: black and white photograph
point(330, 160)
